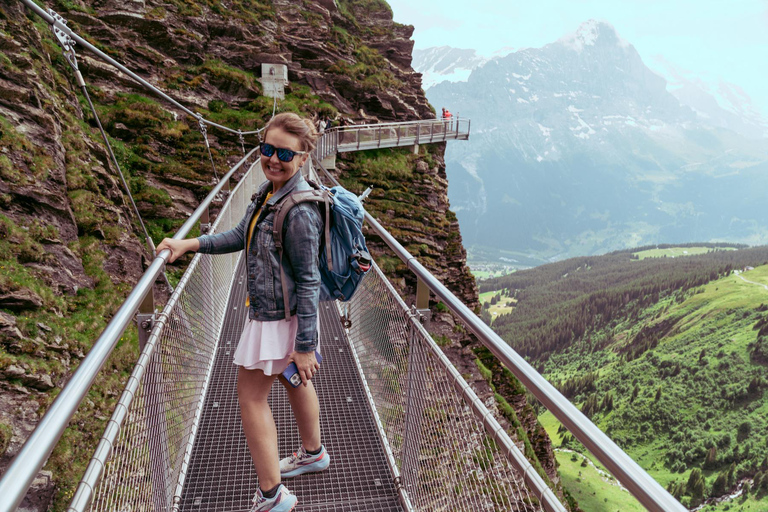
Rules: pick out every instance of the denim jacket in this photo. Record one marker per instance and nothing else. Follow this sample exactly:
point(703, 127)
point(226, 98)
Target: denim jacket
point(302, 231)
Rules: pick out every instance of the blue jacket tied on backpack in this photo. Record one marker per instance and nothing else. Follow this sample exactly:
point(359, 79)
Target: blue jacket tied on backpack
point(344, 257)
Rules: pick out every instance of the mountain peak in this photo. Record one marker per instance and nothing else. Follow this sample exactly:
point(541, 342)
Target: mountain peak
point(592, 33)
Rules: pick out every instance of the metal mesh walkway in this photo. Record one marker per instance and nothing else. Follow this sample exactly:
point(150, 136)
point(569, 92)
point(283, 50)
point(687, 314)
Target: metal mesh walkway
point(221, 475)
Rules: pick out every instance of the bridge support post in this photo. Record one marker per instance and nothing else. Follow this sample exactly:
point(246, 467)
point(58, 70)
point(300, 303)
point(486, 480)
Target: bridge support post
point(414, 405)
point(422, 301)
point(157, 431)
point(225, 190)
point(416, 149)
point(329, 162)
point(205, 221)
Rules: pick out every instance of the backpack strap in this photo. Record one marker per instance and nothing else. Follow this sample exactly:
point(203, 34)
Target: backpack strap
point(281, 211)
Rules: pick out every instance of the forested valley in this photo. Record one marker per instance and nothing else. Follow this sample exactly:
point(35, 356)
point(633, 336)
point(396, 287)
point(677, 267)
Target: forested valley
point(666, 355)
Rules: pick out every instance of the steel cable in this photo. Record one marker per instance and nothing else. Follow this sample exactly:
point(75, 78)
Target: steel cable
point(71, 58)
point(204, 133)
point(59, 25)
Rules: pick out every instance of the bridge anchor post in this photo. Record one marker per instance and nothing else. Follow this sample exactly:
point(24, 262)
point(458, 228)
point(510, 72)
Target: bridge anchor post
point(205, 222)
point(422, 302)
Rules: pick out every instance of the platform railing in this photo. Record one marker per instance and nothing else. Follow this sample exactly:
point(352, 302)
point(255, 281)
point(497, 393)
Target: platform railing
point(387, 135)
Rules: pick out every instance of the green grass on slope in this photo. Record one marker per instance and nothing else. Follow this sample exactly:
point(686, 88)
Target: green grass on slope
point(695, 399)
point(674, 252)
point(751, 504)
point(501, 306)
point(588, 484)
point(593, 491)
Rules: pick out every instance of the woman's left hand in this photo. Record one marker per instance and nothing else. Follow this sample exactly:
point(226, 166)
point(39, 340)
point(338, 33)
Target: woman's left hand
point(306, 364)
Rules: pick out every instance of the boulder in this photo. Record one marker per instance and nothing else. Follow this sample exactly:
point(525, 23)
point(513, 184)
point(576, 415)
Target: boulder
point(20, 300)
point(40, 494)
point(8, 329)
point(40, 382)
point(14, 372)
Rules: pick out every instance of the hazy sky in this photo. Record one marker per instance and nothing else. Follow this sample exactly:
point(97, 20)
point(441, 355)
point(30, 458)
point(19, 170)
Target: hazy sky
point(711, 39)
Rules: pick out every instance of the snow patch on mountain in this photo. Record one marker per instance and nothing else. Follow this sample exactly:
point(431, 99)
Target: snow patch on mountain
point(589, 33)
point(714, 100)
point(444, 63)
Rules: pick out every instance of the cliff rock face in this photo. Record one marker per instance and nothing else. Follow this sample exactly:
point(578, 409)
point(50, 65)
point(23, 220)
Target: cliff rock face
point(70, 247)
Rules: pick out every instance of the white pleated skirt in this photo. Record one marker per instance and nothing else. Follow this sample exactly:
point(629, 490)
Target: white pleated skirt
point(266, 346)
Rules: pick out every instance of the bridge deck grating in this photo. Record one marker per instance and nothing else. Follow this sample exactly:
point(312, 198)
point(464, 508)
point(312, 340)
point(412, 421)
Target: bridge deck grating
point(221, 475)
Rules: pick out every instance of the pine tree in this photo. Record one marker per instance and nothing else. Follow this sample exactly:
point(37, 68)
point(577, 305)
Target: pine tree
point(718, 488)
point(711, 460)
point(695, 487)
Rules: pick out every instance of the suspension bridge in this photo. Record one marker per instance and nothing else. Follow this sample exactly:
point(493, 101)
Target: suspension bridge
point(404, 429)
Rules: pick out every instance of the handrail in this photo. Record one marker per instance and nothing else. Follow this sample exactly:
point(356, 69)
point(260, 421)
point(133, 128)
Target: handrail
point(395, 123)
point(41, 442)
point(647, 490)
point(53, 21)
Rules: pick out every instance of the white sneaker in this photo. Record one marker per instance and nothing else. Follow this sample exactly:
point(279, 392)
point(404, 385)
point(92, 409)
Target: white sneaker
point(284, 501)
point(302, 462)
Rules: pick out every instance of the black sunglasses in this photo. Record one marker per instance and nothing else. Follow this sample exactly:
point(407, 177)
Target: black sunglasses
point(283, 154)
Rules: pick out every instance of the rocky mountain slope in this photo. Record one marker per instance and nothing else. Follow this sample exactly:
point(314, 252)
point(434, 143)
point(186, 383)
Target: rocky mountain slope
point(70, 249)
point(584, 147)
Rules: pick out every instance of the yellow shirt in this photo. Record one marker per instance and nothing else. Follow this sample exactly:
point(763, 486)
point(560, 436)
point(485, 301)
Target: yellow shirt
point(250, 235)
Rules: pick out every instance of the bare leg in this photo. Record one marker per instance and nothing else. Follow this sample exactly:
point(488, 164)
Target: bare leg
point(259, 425)
point(306, 410)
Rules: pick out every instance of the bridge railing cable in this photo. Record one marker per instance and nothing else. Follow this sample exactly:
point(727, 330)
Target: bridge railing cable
point(30, 459)
point(71, 57)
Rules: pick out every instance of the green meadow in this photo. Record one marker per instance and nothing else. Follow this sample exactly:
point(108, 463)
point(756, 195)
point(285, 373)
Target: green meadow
point(585, 478)
point(500, 307)
point(676, 252)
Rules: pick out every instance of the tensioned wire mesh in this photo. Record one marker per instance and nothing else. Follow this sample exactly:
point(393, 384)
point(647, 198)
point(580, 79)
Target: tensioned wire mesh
point(157, 415)
point(446, 458)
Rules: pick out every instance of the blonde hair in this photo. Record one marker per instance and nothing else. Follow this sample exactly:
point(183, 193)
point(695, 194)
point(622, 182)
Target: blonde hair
point(294, 125)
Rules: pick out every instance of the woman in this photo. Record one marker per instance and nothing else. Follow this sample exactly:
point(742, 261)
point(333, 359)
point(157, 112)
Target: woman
point(269, 341)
